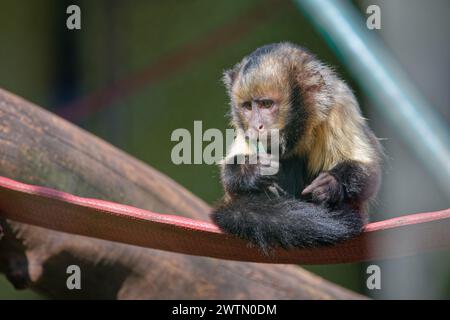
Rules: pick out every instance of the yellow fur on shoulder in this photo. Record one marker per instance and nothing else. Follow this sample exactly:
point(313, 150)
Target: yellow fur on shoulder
point(340, 137)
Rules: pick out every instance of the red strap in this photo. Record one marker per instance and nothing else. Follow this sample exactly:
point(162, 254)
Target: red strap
point(61, 211)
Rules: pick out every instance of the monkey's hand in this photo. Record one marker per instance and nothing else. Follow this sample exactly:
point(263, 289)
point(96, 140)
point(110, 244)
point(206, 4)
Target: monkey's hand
point(325, 189)
point(248, 176)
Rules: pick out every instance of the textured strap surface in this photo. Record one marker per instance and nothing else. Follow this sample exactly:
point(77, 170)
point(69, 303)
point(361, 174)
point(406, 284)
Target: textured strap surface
point(61, 211)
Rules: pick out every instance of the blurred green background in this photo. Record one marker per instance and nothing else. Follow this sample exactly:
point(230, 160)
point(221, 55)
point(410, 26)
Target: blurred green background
point(156, 66)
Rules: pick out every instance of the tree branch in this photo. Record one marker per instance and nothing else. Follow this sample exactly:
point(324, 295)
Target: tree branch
point(42, 149)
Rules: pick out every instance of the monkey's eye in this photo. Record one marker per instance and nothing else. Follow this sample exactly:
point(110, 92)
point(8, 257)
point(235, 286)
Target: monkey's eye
point(247, 105)
point(266, 103)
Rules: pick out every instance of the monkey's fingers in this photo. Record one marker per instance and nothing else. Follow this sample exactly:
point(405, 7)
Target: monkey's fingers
point(322, 179)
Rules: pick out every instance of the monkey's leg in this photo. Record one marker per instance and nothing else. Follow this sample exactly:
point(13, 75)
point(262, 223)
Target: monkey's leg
point(348, 182)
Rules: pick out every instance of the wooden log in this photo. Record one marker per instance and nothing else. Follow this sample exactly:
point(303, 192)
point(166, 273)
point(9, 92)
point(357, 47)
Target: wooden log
point(39, 148)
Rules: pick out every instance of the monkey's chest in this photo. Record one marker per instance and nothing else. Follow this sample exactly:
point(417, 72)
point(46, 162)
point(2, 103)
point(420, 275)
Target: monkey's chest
point(292, 176)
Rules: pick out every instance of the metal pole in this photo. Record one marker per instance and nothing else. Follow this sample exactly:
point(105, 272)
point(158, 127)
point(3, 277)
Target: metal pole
point(384, 82)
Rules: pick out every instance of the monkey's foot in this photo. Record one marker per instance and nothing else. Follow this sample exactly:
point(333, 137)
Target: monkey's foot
point(324, 189)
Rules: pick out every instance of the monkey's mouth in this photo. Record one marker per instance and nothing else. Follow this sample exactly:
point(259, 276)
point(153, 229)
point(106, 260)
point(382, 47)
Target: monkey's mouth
point(261, 142)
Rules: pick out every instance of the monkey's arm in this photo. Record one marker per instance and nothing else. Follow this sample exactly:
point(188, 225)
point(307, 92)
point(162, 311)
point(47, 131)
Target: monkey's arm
point(241, 171)
point(240, 176)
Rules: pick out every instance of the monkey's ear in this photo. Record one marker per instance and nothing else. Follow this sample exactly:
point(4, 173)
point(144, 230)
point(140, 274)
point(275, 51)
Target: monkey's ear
point(228, 78)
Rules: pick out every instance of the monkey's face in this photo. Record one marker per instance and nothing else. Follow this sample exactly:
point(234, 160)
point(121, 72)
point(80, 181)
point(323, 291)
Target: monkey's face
point(259, 115)
point(261, 98)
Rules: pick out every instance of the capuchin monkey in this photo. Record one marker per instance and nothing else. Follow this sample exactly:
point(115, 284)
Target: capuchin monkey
point(328, 159)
